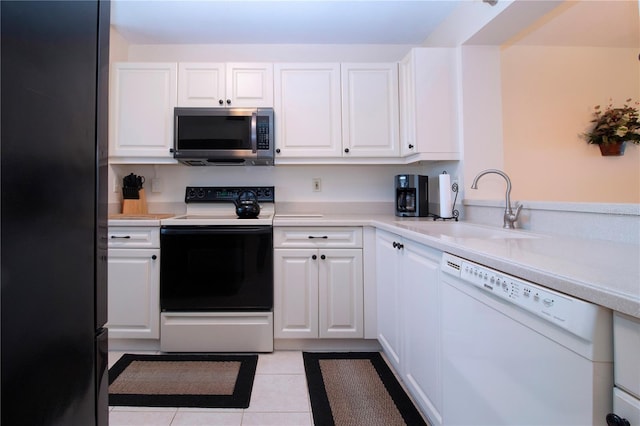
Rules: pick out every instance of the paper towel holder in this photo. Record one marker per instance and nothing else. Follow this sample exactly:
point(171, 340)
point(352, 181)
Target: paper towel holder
point(454, 212)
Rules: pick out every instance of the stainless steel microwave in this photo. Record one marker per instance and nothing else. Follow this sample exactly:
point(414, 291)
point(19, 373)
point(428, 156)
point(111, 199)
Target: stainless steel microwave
point(223, 136)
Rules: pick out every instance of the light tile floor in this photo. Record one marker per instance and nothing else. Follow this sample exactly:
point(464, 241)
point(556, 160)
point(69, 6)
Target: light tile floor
point(280, 397)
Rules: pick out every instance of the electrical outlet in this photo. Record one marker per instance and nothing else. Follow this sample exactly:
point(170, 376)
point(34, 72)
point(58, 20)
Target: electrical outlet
point(156, 185)
point(316, 184)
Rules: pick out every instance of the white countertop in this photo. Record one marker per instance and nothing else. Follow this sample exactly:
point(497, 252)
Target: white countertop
point(602, 272)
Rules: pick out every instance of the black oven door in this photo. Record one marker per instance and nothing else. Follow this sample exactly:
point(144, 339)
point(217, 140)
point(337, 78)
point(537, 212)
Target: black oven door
point(216, 268)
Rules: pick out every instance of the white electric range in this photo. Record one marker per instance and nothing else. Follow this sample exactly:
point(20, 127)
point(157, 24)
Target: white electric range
point(216, 274)
point(214, 205)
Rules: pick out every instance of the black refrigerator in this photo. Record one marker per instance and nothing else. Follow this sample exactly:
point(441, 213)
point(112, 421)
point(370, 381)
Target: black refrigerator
point(53, 212)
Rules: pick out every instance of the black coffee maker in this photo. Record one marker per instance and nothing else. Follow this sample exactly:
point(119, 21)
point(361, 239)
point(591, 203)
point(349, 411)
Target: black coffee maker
point(412, 195)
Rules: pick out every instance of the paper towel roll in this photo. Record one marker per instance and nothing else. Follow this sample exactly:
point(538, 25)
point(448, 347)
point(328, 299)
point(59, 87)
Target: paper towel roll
point(444, 181)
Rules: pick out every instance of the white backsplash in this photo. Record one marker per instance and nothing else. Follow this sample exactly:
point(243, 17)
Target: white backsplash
point(612, 222)
point(370, 189)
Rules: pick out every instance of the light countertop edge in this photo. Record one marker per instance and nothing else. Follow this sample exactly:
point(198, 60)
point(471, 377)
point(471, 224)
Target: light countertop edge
point(134, 222)
point(601, 272)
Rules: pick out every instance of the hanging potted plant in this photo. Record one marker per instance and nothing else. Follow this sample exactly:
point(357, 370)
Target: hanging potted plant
point(613, 127)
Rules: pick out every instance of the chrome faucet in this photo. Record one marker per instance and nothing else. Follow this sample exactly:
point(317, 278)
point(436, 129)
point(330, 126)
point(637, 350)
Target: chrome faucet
point(509, 217)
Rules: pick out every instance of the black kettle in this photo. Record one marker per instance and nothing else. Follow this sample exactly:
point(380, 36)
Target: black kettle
point(247, 206)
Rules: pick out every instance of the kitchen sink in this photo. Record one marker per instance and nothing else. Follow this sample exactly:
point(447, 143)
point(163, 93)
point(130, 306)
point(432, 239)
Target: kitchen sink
point(463, 230)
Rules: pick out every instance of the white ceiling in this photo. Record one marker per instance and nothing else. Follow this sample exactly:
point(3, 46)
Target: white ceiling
point(611, 23)
point(278, 21)
point(584, 22)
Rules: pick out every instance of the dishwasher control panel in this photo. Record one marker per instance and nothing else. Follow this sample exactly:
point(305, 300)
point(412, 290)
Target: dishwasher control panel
point(572, 314)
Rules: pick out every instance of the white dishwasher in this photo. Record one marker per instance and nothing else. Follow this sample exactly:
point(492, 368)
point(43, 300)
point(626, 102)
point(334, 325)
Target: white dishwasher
point(516, 353)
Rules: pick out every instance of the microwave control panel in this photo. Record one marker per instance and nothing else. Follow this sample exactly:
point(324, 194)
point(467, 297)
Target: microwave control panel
point(262, 132)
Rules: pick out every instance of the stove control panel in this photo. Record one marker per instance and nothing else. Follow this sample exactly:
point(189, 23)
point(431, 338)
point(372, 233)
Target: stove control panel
point(228, 194)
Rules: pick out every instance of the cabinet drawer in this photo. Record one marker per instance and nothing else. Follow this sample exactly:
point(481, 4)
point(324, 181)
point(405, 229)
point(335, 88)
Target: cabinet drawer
point(134, 237)
point(335, 237)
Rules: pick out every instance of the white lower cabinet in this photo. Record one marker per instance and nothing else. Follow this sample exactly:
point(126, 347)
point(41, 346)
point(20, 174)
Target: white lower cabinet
point(409, 316)
point(133, 284)
point(420, 295)
point(626, 367)
point(388, 267)
point(318, 284)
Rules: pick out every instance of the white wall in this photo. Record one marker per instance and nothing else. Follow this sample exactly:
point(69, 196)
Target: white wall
point(549, 94)
point(481, 119)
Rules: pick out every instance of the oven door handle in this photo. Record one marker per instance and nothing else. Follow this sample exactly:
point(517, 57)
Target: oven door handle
point(201, 230)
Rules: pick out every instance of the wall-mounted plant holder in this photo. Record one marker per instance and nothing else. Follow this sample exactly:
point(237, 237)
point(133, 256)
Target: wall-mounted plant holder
point(612, 149)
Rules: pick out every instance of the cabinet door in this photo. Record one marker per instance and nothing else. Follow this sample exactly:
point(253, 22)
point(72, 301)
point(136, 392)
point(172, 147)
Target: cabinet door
point(428, 103)
point(307, 107)
point(143, 96)
point(134, 293)
point(250, 85)
point(407, 110)
point(370, 110)
point(341, 293)
point(420, 295)
point(388, 281)
point(295, 304)
point(201, 84)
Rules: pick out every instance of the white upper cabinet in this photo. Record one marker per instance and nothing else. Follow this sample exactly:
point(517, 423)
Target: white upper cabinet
point(225, 84)
point(428, 104)
point(201, 84)
point(370, 117)
point(326, 113)
point(250, 85)
point(142, 98)
point(307, 110)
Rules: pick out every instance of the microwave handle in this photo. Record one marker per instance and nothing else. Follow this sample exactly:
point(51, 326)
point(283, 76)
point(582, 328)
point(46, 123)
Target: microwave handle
point(254, 132)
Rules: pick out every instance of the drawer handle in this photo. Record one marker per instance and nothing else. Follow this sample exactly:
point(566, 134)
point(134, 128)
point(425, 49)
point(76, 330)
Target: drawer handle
point(121, 237)
point(323, 237)
point(614, 420)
